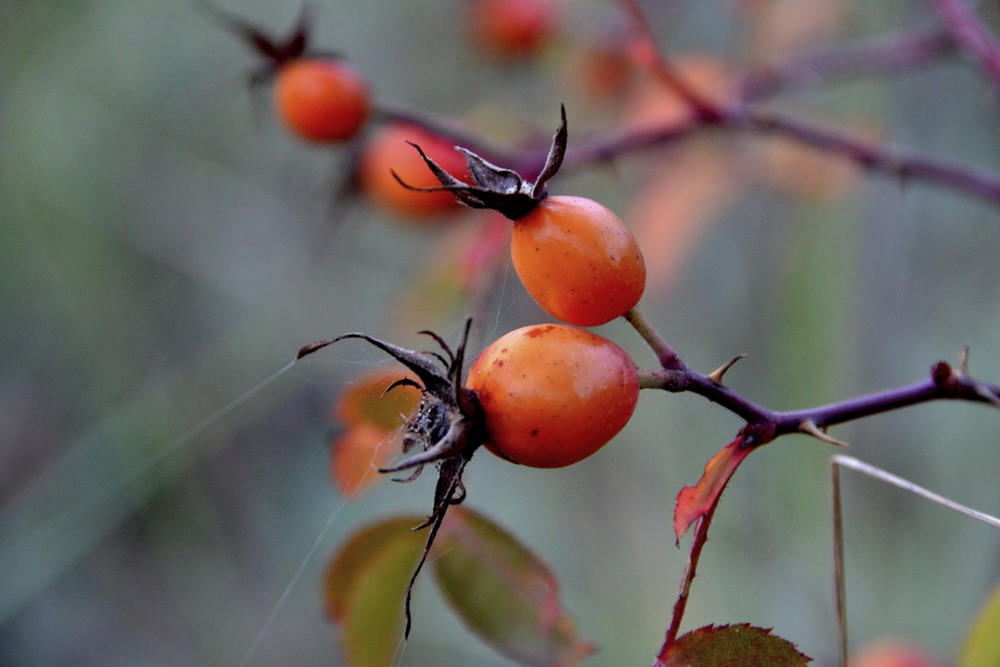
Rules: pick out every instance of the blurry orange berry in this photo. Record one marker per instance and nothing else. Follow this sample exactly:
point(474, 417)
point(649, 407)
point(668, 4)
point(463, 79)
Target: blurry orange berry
point(321, 99)
point(374, 421)
point(388, 152)
point(512, 28)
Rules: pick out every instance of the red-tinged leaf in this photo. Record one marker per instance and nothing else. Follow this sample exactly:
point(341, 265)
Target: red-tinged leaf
point(504, 593)
point(357, 454)
point(373, 419)
point(678, 204)
point(740, 645)
point(694, 501)
point(364, 586)
point(982, 644)
point(366, 400)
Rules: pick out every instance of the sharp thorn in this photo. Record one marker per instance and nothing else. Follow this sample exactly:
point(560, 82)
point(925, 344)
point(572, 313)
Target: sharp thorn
point(716, 375)
point(809, 427)
point(963, 361)
point(986, 395)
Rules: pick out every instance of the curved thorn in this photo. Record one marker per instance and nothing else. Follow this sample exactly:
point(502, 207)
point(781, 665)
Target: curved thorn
point(402, 382)
point(808, 427)
point(986, 394)
point(716, 375)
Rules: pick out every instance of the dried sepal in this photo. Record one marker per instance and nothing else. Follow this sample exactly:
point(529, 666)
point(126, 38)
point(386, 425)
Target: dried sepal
point(449, 491)
point(447, 426)
point(425, 369)
point(274, 50)
point(494, 187)
point(554, 160)
point(454, 441)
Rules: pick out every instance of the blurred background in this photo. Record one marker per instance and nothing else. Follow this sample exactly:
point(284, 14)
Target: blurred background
point(166, 245)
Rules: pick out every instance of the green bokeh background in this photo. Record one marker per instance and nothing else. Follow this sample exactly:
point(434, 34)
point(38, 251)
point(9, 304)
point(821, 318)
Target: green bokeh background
point(165, 246)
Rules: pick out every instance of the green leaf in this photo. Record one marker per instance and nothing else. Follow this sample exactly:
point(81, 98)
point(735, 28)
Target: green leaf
point(504, 593)
point(982, 644)
point(364, 587)
point(740, 645)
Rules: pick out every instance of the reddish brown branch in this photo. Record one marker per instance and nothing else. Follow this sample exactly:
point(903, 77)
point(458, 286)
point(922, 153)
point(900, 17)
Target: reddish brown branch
point(646, 51)
point(943, 384)
point(740, 117)
point(690, 571)
point(881, 55)
point(972, 35)
point(908, 166)
point(764, 426)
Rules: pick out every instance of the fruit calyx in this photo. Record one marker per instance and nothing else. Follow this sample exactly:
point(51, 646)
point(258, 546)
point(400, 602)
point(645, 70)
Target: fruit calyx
point(494, 187)
point(448, 426)
point(275, 51)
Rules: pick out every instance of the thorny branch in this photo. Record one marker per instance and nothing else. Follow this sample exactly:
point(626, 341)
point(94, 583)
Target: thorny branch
point(943, 383)
point(764, 426)
point(744, 116)
point(960, 29)
point(886, 54)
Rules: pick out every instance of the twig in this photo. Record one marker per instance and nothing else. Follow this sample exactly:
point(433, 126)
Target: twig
point(973, 36)
point(645, 49)
point(690, 570)
point(764, 426)
point(449, 130)
point(664, 353)
point(916, 489)
point(743, 117)
point(840, 588)
point(954, 386)
point(943, 384)
point(885, 54)
point(906, 165)
point(836, 462)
